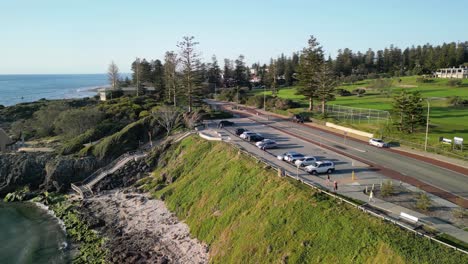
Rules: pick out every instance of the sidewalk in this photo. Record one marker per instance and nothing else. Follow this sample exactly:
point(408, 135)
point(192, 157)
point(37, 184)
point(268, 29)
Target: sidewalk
point(354, 190)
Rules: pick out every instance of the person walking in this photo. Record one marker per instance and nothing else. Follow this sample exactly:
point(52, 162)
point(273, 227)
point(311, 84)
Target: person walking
point(328, 180)
point(371, 197)
point(335, 186)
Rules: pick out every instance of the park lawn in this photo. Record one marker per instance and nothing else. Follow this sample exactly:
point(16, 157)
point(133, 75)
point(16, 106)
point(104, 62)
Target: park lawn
point(247, 214)
point(445, 121)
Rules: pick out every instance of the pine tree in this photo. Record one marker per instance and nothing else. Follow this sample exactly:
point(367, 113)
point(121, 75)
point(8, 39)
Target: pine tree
point(326, 84)
point(309, 65)
point(191, 64)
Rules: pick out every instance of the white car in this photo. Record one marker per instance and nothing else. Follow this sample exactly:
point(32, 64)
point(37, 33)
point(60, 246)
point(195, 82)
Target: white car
point(284, 155)
point(266, 144)
point(377, 142)
point(324, 166)
point(246, 134)
point(308, 160)
point(293, 157)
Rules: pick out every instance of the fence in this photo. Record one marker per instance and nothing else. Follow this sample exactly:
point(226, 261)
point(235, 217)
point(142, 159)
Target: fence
point(438, 150)
point(342, 199)
point(357, 115)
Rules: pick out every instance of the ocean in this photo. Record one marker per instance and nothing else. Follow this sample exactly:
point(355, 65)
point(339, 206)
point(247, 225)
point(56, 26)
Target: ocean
point(29, 234)
point(20, 88)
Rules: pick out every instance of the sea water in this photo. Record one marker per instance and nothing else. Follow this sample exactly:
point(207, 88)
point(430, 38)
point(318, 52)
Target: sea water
point(29, 234)
point(20, 88)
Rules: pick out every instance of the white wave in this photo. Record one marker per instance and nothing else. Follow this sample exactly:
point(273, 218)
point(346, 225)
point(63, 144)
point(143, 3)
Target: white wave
point(51, 213)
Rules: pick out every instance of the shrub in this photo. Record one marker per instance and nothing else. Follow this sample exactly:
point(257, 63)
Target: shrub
point(284, 104)
point(76, 121)
point(423, 202)
point(359, 92)
point(454, 82)
point(387, 189)
point(143, 113)
point(343, 92)
point(460, 213)
point(424, 79)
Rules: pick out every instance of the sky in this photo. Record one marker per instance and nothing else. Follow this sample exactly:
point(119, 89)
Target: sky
point(84, 36)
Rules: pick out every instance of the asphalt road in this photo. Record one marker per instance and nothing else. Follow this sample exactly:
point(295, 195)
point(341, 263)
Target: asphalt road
point(409, 168)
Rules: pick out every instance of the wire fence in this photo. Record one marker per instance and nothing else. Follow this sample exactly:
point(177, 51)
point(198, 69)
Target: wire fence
point(357, 115)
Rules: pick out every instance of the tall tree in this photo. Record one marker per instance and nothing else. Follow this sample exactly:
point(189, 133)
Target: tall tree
point(190, 61)
point(273, 77)
point(171, 62)
point(113, 75)
point(409, 111)
point(240, 74)
point(157, 72)
point(326, 84)
point(310, 62)
point(214, 73)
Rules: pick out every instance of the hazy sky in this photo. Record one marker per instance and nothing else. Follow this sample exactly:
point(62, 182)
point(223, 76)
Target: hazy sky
point(83, 36)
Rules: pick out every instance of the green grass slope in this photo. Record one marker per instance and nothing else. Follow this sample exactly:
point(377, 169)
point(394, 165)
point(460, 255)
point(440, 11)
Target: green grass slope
point(247, 214)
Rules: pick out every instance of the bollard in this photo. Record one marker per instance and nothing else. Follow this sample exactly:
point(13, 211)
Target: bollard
point(353, 177)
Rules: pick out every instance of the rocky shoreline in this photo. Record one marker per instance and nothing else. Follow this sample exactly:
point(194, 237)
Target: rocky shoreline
point(141, 229)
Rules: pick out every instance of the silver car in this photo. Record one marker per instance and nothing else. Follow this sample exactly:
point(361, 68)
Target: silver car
point(308, 160)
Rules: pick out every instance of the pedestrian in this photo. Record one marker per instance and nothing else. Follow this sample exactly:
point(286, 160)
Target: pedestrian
point(328, 179)
point(335, 186)
point(371, 197)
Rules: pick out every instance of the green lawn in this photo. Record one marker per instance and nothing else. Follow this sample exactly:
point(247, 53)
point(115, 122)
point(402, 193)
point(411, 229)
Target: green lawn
point(446, 121)
point(247, 214)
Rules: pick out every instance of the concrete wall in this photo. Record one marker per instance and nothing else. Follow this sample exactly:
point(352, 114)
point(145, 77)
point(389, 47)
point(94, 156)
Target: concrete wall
point(350, 130)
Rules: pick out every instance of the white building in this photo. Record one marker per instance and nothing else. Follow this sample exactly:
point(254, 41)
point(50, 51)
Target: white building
point(456, 73)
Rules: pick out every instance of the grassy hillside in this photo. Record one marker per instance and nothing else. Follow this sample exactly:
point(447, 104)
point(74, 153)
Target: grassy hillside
point(247, 214)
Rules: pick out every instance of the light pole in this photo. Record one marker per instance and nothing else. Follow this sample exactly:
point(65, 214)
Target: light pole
point(264, 97)
point(427, 123)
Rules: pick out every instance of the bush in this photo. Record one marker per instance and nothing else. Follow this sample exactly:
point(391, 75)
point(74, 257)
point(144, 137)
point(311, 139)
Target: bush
point(76, 121)
point(423, 202)
point(284, 104)
point(454, 83)
point(359, 92)
point(387, 189)
point(424, 79)
point(343, 92)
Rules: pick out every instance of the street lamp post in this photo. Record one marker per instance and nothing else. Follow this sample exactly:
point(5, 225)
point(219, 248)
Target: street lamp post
point(427, 124)
point(264, 97)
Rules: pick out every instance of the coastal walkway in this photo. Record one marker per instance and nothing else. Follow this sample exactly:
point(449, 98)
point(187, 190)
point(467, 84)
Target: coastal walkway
point(85, 188)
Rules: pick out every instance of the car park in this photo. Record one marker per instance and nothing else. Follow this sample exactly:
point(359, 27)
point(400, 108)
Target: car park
point(247, 133)
point(225, 123)
point(284, 155)
point(293, 157)
point(324, 166)
point(308, 160)
point(239, 131)
point(378, 143)
point(266, 144)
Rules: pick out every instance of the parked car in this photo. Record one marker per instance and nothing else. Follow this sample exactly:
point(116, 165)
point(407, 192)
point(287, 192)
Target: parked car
point(378, 143)
point(225, 123)
point(298, 119)
point(324, 166)
point(239, 131)
point(266, 144)
point(255, 138)
point(308, 160)
point(247, 133)
point(293, 157)
point(283, 156)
